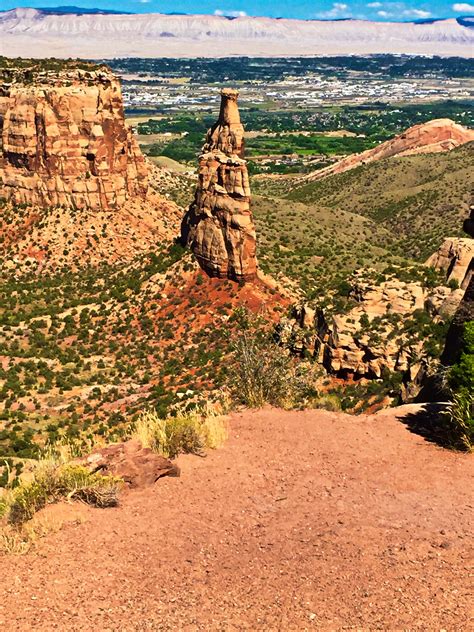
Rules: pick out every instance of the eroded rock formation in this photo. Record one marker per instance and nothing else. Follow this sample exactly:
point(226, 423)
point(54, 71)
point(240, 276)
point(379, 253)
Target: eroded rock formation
point(465, 311)
point(218, 226)
point(455, 257)
point(64, 141)
point(371, 339)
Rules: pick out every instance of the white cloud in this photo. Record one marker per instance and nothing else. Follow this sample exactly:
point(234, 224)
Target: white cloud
point(374, 5)
point(416, 13)
point(339, 10)
point(463, 7)
point(384, 14)
point(230, 14)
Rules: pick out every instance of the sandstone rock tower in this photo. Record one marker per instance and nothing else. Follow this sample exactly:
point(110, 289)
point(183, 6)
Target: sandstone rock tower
point(64, 141)
point(218, 226)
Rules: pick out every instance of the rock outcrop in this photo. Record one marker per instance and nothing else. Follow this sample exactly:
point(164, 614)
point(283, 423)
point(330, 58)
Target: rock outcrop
point(465, 311)
point(64, 141)
point(433, 137)
point(455, 258)
point(383, 332)
point(218, 226)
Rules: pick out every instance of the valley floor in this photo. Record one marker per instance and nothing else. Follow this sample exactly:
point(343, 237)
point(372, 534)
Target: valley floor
point(306, 520)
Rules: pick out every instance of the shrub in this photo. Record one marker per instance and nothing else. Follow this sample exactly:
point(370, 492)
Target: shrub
point(189, 432)
point(462, 373)
point(327, 401)
point(53, 481)
point(459, 417)
point(459, 421)
point(262, 371)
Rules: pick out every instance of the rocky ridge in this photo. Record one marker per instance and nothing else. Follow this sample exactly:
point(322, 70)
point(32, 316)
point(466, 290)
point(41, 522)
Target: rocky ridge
point(218, 226)
point(435, 136)
point(64, 140)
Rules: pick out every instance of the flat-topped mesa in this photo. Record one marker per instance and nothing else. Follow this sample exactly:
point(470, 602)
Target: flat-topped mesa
point(64, 141)
point(218, 227)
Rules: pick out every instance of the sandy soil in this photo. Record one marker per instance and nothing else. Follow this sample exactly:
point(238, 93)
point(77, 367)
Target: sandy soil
point(302, 521)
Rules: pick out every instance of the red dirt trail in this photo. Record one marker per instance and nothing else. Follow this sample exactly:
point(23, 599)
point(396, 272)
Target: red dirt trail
point(302, 521)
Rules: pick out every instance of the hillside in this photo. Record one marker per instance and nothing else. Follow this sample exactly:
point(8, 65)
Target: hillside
point(138, 35)
point(433, 137)
point(381, 213)
point(266, 533)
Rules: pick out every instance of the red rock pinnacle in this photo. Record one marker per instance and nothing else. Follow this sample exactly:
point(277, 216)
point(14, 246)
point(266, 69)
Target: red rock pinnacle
point(218, 226)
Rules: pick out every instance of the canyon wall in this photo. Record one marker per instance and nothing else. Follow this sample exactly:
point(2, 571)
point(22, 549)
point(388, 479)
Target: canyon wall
point(371, 339)
point(218, 226)
point(64, 141)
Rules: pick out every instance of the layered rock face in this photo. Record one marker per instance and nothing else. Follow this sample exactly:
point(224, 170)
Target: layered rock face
point(455, 257)
point(218, 226)
point(433, 137)
point(64, 141)
point(370, 338)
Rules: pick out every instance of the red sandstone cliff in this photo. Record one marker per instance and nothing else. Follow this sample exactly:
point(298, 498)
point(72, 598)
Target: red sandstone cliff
point(64, 141)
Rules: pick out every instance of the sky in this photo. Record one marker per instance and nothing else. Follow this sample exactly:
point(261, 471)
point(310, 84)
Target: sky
point(381, 10)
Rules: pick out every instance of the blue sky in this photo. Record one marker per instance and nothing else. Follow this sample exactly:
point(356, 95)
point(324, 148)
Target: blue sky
point(325, 9)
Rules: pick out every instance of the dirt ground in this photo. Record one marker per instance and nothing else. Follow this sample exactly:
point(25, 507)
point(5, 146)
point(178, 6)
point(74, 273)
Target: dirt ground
point(305, 520)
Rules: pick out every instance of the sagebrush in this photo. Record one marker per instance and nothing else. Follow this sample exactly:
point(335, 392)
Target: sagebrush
point(262, 371)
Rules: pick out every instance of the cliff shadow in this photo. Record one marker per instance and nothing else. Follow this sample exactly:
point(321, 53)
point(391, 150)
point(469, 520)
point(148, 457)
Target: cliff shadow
point(428, 422)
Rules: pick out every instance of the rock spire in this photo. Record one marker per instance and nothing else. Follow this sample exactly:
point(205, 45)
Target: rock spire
point(218, 227)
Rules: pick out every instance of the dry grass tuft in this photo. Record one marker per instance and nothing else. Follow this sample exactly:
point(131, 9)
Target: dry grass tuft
point(188, 432)
point(53, 477)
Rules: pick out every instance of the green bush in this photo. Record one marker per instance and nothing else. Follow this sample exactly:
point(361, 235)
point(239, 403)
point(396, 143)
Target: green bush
point(462, 374)
point(263, 372)
point(53, 482)
point(459, 418)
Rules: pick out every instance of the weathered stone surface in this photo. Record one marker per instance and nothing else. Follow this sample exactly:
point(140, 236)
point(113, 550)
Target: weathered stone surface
point(465, 311)
point(64, 141)
point(454, 257)
point(136, 465)
point(218, 226)
point(368, 340)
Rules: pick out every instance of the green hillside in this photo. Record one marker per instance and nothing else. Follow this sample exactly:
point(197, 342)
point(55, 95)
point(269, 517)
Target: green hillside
point(391, 211)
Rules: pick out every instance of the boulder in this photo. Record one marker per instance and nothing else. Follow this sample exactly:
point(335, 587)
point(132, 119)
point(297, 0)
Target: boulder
point(136, 465)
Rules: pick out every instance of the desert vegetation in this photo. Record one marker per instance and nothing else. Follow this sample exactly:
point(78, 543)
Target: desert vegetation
point(459, 418)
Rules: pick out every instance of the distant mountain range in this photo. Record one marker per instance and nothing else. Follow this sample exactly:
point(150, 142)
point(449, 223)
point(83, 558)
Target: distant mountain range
point(68, 10)
point(96, 33)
